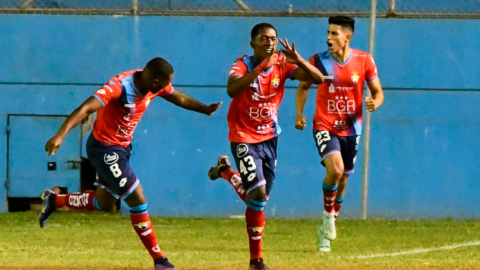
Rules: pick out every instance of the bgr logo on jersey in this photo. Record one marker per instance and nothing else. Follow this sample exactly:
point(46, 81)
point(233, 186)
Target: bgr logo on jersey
point(265, 110)
point(110, 159)
point(341, 105)
point(242, 150)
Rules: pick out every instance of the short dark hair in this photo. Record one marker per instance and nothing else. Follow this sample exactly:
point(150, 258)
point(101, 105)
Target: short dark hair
point(159, 67)
point(256, 29)
point(343, 21)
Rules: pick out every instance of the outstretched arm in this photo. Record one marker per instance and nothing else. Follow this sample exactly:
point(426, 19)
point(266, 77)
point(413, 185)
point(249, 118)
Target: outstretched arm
point(377, 95)
point(300, 100)
point(187, 102)
point(306, 71)
point(90, 105)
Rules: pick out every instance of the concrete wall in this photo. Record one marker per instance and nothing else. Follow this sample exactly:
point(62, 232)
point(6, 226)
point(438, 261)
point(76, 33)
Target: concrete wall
point(424, 159)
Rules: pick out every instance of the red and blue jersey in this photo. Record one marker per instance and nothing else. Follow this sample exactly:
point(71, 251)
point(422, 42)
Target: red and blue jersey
point(123, 107)
point(340, 97)
point(252, 116)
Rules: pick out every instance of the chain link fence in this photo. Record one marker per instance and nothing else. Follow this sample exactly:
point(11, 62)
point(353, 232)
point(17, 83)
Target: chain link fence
point(385, 8)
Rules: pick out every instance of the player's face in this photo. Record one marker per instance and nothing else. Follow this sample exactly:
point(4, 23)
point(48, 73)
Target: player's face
point(337, 38)
point(159, 84)
point(265, 43)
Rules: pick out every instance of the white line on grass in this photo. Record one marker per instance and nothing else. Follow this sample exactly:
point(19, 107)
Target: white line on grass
point(415, 251)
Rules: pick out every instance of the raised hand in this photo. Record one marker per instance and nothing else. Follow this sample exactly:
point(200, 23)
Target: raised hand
point(212, 108)
point(267, 63)
point(290, 52)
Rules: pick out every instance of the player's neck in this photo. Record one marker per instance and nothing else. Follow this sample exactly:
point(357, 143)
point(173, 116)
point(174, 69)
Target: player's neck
point(343, 55)
point(257, 60)
point(139, 84)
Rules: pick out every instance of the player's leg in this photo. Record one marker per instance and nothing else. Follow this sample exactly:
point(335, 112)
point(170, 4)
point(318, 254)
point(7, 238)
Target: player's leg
point(248, 158)
point(342, 184)
point(144, 228)
point(86, 201)
point(117, 177)
point(225, 171)
point(330, 152)
point(349, 147)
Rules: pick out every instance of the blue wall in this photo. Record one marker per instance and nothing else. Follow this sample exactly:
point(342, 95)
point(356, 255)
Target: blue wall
point(424, 154)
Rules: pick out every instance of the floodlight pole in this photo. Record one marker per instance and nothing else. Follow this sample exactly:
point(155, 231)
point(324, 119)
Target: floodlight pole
point(367, 120)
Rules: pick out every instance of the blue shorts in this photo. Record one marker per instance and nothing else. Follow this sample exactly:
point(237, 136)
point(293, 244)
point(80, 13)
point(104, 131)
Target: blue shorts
point(256, 163)
point(328, 144)
point(113, 168)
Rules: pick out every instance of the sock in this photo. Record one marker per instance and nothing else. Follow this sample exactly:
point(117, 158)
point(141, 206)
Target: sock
point(338, 205)
point(255, 224)
point(81, 200)
point(234, 179)
point(329, 194)
point(144, 228)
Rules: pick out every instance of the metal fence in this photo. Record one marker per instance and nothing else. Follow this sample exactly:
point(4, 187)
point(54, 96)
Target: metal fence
point(385, 8)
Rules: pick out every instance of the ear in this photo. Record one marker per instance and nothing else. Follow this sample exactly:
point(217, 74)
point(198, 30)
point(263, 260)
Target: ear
point(251, 44)
point(349, 36)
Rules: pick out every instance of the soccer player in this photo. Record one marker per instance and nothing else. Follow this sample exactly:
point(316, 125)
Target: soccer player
point(120, 104)
point(256, 85)
point(337, 123)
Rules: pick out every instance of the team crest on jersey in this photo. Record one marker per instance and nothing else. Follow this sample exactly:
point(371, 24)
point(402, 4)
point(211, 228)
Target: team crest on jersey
point(275, 81)
point(242, 150)
point(355, 77)
point(101, 91)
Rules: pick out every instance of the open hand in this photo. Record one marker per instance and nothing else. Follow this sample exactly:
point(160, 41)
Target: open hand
point(268, 62)
point(212, 108)
point(290, 52)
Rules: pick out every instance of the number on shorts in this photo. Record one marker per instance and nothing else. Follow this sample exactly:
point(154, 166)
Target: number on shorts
point(246, 170)
point(115, 170)
point(322, 136)
point(123, 182)
point(251, 165)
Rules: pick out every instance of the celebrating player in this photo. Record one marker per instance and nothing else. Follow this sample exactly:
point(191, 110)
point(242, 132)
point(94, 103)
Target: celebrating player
point(256, 85)
point(120, 104)
point(338, 118)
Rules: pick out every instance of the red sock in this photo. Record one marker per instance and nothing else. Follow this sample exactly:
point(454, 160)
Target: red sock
point(144, 228)
point(338, 205)
point(79, 200)
point(255, 224)
point(329, 200)
point(234, 179)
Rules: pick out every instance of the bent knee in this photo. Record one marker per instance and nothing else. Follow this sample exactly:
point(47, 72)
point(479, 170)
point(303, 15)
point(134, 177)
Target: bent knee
point(335, 172)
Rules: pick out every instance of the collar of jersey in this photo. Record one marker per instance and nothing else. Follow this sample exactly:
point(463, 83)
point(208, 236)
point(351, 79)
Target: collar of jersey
point(248, 61)
point(129, 80)
point(346, 61)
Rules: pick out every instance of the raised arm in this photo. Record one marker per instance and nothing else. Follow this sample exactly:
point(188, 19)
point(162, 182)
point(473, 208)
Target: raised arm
point(90, 105)
point(377, 98)
point(189, 103)
point(306, 71)
point(300, 100)
point(237, 83)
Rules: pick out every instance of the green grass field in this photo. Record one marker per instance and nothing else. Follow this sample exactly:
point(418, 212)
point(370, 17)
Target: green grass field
point(107, 241)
